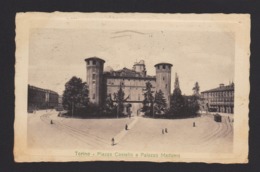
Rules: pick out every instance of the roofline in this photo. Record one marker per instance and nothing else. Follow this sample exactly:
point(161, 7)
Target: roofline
point(163, 64)
point(218, 90)
point(131, 77)
point(95, 58)
point(42, 89)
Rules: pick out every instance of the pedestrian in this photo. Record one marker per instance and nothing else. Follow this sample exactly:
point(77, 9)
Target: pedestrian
point(126, 127)
point(194, 125)
point(113, 141)
point(51, 122)
point(228, 119)
point(166, 131)
point(162, 131)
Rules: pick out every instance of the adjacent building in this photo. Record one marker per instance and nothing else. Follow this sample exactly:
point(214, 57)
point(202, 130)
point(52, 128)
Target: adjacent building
point(133, 81)
point(220, 99)
point(39, 98)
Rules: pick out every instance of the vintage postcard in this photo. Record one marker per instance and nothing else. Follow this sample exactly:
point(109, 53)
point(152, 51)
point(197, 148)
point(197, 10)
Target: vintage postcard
point(132, 87)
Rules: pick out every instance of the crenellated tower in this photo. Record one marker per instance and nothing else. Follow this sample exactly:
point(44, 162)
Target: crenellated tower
point(163, 80)
point(94, 79)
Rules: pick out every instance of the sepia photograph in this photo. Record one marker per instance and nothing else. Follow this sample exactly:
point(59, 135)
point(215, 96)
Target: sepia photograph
point(132, 87)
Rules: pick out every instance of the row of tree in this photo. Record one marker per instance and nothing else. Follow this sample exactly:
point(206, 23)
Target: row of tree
point(76, 102)
point(181, 106)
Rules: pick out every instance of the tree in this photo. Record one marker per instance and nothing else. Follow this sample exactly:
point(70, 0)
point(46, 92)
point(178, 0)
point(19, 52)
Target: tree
point(148, 99)
point(177, 101)
point(196, 89)
point(195, 100)
point(159, 102)
point(109, 107)
point(191, 106)
point(194, 105)
point(119, 98)
point(75, 95)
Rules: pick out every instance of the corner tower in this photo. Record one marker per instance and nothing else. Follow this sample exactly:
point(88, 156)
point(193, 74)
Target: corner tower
point(163, 80)
point(94, 79)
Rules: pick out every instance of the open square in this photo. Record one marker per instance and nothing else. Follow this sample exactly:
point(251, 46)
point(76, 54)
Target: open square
point(143, 134)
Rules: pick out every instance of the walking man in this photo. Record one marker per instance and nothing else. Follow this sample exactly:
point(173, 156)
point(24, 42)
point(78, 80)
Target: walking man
point(166, 131)
point(113, 141)
point(126, 127)
point(194, 124)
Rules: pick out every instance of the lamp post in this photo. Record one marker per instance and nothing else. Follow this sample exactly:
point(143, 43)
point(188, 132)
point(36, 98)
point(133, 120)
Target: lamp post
point(72, 108)
point(151, 108)
point(117, 110)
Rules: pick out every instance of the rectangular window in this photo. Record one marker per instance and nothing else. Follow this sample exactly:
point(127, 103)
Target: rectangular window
point(163, 66)
point(94, 62)
point(94, 96)
point(166, 86)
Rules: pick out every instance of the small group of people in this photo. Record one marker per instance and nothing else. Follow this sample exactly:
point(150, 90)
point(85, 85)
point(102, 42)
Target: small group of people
point(164, 130)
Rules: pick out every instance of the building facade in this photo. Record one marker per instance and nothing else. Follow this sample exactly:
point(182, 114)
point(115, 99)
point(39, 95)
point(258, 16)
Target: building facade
point(220, 99)
point(39, 98)
point(133, 81)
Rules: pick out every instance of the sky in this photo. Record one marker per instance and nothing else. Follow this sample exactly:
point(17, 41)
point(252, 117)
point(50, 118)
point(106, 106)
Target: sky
point(202, 55)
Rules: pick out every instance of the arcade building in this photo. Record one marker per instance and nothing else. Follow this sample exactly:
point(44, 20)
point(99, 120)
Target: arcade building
point(220, 99)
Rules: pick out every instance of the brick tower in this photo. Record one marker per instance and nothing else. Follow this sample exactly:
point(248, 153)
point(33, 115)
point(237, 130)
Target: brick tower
point(94, 79)
point(163, 80)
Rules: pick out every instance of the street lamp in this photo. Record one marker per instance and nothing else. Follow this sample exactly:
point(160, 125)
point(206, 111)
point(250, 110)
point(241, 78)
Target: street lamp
point(117, 110)
point(72, 108)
